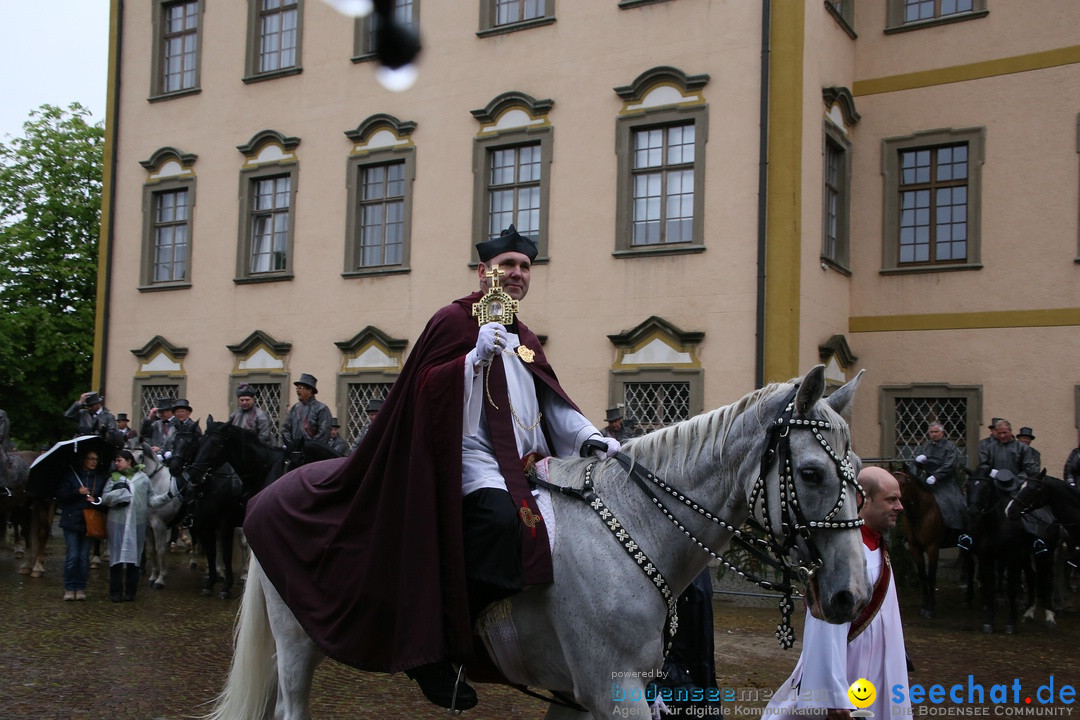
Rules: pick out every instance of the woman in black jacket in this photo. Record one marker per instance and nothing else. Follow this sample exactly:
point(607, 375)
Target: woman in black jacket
point(79, 488)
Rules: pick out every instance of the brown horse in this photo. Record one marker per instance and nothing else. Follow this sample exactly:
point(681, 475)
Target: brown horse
point(31, 517)
point(927, 534)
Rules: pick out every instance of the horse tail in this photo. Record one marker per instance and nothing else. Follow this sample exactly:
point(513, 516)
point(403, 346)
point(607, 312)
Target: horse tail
point(251, 689)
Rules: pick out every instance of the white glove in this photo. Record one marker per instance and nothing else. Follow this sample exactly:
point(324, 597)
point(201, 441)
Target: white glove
point(159, 458)
point(931, 480)
point(168, 454)
point(993, 473)
point(920, 459)
point(613, 446)
point(492, 339)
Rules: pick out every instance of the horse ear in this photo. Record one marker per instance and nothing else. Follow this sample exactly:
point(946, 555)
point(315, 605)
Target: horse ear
point(810, 390)
point(209, 419)
point(842, 399)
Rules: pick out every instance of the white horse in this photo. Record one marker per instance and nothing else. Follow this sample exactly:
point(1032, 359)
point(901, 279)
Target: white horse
point(596, 634)
point(159, 519)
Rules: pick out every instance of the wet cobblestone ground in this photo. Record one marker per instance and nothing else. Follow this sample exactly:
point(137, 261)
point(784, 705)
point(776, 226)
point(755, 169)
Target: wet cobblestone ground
point(166, 655)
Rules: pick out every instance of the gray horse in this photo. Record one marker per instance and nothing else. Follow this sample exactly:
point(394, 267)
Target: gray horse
point(598, 633)
point(159, 520)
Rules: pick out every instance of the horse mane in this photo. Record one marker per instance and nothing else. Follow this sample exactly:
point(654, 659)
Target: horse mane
point(701, 434)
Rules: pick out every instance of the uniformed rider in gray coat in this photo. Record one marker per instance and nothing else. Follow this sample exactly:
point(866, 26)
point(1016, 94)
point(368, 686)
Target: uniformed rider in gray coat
point(250, 416)
point(939, 460)
point(91, 417)
point(308, 419)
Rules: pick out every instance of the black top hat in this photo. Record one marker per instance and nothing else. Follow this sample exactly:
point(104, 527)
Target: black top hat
point(245, 390)
point(93, 398)
point(508, 241)
point(309, 380)
point(166, 403)
point(374, 406)
point(613, 414)
point(334, 422)
point(994, 421)
point(1026, 432)
point(121, 416)
point(181, 403)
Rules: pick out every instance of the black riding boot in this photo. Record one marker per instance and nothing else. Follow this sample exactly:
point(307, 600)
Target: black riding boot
point(439, 683)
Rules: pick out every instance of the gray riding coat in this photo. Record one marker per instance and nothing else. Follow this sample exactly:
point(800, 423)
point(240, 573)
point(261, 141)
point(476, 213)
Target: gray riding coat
point(256, 420)
point(1014, 456)
point(309, 420)
point(942, 461)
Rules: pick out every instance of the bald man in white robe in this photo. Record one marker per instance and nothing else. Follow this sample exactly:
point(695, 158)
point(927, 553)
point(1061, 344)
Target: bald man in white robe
point(870, 648)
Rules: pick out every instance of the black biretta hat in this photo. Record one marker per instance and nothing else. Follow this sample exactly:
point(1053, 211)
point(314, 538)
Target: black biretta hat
point(508, 241)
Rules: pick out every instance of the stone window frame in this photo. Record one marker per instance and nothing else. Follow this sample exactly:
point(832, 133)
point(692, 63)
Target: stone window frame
point(268, 154)
point(511, 119)
point(975, 138)
point(489, 25)
point(894, 16)
point(370, 357)
point(167, 170)
point(888, 394)
point(659, 97)
point(157, 63)
point(627, 369)
point(380, 139)
point(840, 118)
point(363, 45)
point(253, 54)
point(843, 11)
point(159, 362)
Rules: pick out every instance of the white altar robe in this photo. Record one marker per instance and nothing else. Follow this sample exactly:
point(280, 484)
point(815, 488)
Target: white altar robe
point(829, 664)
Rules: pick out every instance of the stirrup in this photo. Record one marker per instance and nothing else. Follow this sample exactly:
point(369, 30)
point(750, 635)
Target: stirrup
point(443, 687)
point(965, 542)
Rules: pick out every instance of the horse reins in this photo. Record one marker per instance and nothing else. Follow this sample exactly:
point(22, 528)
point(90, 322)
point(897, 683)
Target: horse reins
point(765, 549)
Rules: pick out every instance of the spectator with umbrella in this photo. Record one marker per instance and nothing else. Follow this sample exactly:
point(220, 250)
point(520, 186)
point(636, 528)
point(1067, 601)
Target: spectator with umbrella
point(74, 472)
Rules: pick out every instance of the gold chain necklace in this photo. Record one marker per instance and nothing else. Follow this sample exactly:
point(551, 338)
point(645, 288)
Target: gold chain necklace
point(487, 388)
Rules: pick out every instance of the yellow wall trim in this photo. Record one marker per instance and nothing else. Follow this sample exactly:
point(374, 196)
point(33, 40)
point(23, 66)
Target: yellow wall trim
point(783, 211)
point(973, 71)
point(1057, 317)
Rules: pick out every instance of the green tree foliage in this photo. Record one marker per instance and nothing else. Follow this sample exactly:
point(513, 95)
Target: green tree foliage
point(50, 212)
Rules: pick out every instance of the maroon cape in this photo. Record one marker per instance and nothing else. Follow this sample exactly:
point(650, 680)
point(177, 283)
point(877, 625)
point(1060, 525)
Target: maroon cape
point(367, 550)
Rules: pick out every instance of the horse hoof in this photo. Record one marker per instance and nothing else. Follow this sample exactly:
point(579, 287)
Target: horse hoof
point(224, 595)
point(158, 585)
point(24, 571)
point(988, 628)
point(1051, 622)
point(206, 592)
point(19, 554)
point(1010, 629)
point(37, 573)
point(1029, 615)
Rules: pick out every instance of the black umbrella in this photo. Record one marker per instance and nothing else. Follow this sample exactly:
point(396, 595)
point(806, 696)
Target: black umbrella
point(63, 457)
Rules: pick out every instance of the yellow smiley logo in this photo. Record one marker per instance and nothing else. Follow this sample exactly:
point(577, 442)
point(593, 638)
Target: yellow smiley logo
point(862, 693)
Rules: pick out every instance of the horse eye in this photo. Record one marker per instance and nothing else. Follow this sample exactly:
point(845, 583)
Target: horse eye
point(810, 475)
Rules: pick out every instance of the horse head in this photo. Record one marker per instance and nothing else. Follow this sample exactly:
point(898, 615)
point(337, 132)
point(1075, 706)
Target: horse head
point(823, 497)
point(1031, 495)
point(211, 452)
point(793, 460)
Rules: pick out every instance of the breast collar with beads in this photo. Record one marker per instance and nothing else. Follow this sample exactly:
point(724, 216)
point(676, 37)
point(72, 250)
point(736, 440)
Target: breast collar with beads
point(759, 541)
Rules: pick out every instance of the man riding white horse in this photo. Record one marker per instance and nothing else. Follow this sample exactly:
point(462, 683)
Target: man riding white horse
point(447, 452)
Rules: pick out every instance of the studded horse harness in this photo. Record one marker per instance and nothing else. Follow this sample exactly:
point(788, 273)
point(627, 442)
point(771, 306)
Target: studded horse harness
point(763, 546)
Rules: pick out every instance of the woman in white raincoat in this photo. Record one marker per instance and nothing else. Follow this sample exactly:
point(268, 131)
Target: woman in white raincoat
point(127, 495)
